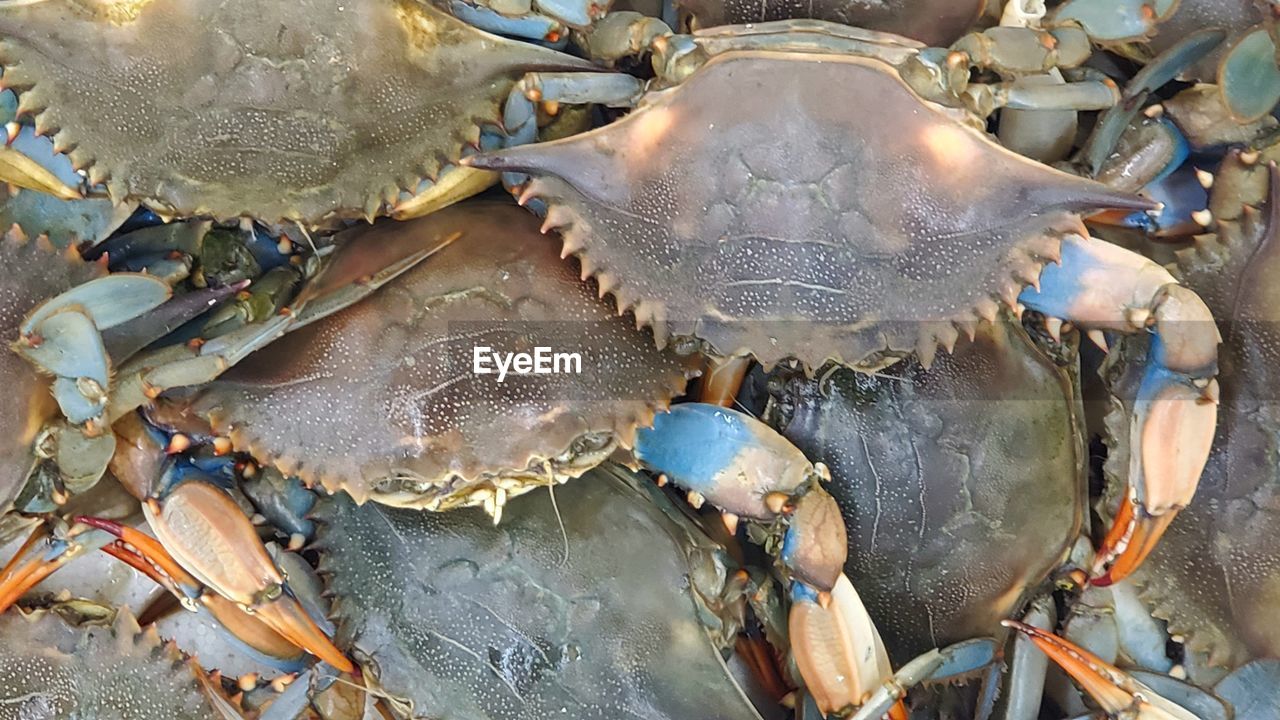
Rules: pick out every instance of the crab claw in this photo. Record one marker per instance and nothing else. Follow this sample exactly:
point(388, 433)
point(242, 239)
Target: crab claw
point(1118, 694)
point(837, 647)
point(736, 462)
point(1102, 287)
point(208, 536)
point(146, 555)
point(28, 567)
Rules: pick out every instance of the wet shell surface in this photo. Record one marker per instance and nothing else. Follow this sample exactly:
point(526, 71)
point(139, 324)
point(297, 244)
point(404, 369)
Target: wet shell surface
point(804, 221)
point(208, 107)
point(383, 399)
point(962, 486)
point(585, 606)
point(51, 669)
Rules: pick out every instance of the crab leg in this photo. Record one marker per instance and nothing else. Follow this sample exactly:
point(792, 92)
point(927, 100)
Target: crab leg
point(29, 161)
point(744, 467)
point(1101, 287)
point(1118, 693)
point(723, 379)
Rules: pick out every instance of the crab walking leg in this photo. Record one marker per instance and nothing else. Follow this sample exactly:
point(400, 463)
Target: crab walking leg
point(744, 467)
point(30, 161)
point(938, 665)
point(520, 112)
point(350, 274)
point(1118, 693)
point(723, 379)
point(1101, 287)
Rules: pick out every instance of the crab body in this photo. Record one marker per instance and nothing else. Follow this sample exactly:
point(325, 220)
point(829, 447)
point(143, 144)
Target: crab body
point(759, 231)
point(551, 612)
point(271, 114)
point(384, 400)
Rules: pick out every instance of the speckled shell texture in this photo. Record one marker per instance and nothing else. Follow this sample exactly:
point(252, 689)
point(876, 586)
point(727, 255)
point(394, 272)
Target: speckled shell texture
point(295, 110)
point(387, 388)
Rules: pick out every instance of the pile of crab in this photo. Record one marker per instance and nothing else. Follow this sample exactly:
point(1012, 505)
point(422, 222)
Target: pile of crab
point(496, 360)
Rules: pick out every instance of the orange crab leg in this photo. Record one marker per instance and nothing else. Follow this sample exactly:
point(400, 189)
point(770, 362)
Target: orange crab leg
point(247, 628)
point(1116, 692)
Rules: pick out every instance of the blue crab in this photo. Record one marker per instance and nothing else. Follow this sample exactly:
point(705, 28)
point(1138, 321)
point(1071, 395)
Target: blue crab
point(551, 612)
point(962, 486)
point(728, 226)
point(502, 284)
point(276, 118)
point(416, 425)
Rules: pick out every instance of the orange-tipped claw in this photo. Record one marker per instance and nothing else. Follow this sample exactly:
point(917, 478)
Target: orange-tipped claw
point(24, 571)
point(1115, 691)
point(286, 616)
point(206, 532)
point(253, 632)
point(1133, 535)
point(149, 556)
point(207, 540)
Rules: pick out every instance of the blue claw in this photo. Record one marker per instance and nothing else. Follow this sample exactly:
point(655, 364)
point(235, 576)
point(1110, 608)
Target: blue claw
point(733, 460)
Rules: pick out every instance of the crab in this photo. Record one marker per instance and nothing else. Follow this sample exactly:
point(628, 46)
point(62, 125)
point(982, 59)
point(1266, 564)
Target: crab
point(531, 431)
point(745, 231)
point(78, 659)
point(277, 118)
point(550, 612)
point(384, 402)
point(962, 486)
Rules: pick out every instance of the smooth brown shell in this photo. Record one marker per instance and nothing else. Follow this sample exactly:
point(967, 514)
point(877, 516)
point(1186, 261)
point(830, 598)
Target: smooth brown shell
point(386, 390)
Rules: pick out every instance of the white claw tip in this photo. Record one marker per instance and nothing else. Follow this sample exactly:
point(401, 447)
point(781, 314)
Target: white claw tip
point(1203, 217)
